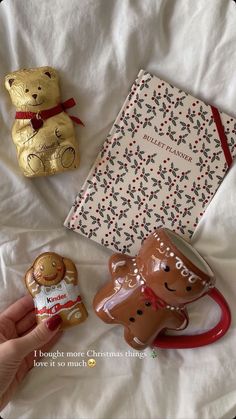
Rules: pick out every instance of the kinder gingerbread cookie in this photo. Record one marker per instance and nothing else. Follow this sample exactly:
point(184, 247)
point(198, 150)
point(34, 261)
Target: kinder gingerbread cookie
point(148, 294)
point(52, 282)
point(43, 133)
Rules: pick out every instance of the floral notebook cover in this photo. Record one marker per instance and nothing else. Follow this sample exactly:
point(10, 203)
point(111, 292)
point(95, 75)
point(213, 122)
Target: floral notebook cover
point(161, 164)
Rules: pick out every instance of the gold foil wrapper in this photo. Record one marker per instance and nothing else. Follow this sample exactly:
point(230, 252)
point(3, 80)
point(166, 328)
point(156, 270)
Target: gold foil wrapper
point(44, 147)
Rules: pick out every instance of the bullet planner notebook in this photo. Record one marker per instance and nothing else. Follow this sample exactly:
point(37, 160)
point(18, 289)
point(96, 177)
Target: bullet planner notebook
point(161, 164)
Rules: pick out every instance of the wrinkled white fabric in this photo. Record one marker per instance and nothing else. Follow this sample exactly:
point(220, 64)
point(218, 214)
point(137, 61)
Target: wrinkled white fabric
point(98, 46)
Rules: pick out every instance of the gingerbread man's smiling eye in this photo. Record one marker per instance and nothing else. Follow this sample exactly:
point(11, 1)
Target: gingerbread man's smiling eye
point(165, 267)
point(188, 288)
point(26, 90)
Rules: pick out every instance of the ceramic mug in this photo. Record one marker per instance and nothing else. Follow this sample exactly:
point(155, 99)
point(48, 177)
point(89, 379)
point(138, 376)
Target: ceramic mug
point(148, 293)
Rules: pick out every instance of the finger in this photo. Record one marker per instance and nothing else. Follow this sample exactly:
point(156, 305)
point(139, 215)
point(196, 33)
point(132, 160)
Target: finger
point(19, 309)
point(18, 369)
point(28, 362)
point(52, 342)
point(37, 338)
point(26, 323)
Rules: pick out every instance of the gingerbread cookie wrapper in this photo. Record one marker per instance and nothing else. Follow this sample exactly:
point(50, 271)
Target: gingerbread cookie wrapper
point(43, 132)
point(53, 284)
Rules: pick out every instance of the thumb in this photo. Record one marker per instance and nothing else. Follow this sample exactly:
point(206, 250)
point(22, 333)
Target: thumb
point(38, 337)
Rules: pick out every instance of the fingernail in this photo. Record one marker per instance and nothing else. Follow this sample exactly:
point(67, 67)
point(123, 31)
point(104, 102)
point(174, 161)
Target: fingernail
point(53, 322)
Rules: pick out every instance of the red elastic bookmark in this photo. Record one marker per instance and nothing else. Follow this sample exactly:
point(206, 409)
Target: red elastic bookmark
point(222, 135)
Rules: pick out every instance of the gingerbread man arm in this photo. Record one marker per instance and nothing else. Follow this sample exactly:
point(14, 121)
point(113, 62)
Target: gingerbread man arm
point(119, 265)
point(32, 285)
point(70, 272)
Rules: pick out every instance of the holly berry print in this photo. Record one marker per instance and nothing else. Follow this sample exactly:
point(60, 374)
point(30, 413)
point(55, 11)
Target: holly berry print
point(160, 165)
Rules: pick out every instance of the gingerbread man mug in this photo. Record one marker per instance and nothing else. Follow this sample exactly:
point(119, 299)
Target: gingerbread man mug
point(148, 294)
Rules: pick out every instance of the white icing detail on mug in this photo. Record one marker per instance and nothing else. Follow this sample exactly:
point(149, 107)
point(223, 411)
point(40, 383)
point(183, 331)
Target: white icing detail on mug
point(179, 264)
point(162, 251)
point(183, 325)
point(138, 341)
point(193, 278)
point(117, 265)
point(184, 272)
point(109, 314)
point(129, 281)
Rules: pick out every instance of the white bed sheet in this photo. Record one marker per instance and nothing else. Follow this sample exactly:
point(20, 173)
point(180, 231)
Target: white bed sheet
point(98, 46)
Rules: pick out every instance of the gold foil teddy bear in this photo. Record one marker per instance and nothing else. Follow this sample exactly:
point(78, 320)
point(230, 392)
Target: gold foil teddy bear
point(43, 133)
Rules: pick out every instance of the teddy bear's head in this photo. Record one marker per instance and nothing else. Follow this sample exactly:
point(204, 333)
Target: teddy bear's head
point(173, 269)
point(33, 89)
point(49, 269)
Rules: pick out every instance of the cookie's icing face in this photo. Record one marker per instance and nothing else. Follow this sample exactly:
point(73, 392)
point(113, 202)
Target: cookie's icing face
point(49, 269)
point(33, 89)
point(169, 275)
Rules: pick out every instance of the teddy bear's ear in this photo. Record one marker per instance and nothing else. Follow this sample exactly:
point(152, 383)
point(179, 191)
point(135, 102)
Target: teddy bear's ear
point(9, 80)
point(50, 73)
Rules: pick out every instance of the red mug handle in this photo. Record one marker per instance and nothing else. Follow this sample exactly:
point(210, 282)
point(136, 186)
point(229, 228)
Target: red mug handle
point(194, 341)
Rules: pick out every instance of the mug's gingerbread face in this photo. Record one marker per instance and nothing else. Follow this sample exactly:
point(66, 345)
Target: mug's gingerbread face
point(172, 277)
point(49, 269)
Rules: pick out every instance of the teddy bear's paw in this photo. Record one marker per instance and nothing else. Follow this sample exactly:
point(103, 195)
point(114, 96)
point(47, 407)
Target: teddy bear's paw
point(59, 136)
point(35, 163)
point(68, 157)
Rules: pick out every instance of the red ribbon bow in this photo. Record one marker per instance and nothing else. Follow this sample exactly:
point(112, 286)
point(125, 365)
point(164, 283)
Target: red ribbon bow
point(37, 118)
point(150, 295)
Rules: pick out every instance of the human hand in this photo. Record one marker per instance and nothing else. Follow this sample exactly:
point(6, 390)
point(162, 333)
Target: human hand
point(19, 338)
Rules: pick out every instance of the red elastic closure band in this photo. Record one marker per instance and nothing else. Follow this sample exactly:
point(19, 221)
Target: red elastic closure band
point(222, 135)
point(194, 341)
